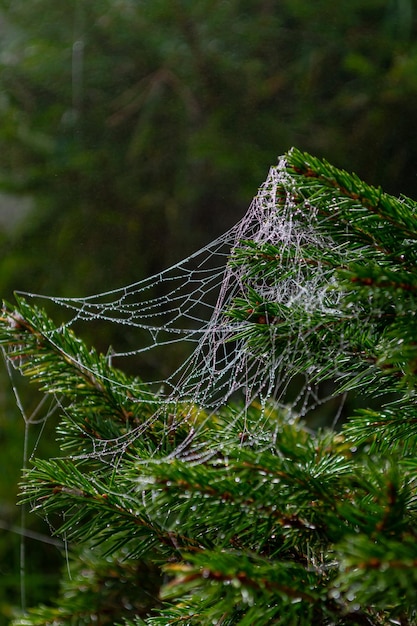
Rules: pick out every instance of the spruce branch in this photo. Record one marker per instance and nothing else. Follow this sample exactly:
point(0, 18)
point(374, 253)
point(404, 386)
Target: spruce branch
point(252, 518)
point(373, 215)
point(101, 403)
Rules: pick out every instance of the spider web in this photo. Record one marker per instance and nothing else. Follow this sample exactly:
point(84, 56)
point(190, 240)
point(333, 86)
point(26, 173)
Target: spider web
point(185, 309)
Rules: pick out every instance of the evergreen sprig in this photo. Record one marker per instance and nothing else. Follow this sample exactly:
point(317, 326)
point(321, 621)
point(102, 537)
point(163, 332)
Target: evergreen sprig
point(179, 516)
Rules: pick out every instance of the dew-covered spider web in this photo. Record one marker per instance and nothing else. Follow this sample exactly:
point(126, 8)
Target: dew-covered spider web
point(180, 320)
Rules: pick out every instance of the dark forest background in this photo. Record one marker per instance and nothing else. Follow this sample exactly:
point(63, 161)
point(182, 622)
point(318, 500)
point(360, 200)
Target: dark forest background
point(134, 132)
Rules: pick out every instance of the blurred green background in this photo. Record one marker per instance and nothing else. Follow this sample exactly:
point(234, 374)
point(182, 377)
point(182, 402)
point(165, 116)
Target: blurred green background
point(134, 132)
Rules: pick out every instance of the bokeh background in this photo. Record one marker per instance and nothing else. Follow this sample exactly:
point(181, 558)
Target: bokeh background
point(132, 132)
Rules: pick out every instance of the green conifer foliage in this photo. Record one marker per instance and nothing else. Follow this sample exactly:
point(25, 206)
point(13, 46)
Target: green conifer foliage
point(246, 517)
